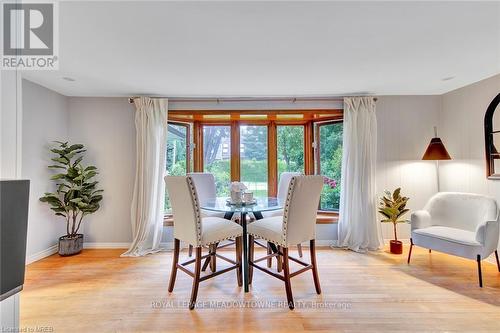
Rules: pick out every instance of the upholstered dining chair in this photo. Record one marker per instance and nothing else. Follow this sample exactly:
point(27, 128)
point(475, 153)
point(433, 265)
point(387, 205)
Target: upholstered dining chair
point(206, 189)
point(461, 224)
point(296, 225)
point(283, 184)
point(192, 228)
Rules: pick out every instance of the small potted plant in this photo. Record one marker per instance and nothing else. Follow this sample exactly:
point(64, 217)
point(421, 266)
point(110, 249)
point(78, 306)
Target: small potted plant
point(76, 194)
point(393, 207)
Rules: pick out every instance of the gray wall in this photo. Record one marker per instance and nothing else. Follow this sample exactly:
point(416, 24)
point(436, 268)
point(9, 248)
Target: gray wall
point(405, 127)
point(462, 131)
point(45, 119)
point(10, 116)
point(106, 127)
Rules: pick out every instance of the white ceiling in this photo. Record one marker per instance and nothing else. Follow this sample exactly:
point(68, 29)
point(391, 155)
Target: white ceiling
point(273, 48)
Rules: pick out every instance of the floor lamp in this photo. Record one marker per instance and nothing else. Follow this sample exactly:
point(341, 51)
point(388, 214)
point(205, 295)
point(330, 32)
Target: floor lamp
point(436, 151)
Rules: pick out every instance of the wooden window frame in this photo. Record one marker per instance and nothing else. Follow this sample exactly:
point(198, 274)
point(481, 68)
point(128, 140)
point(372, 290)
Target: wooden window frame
point(167, 220)
point(232, 118)
point(317, 150)
point(188, 142)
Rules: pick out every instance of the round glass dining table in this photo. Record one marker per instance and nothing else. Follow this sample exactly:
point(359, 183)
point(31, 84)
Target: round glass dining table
point(261, 204)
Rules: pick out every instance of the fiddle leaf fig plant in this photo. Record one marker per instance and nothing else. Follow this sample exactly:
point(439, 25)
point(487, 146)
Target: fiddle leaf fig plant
point(76, 194)
point(393, 207)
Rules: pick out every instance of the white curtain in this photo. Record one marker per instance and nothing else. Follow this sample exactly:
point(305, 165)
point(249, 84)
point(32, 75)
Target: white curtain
point(358, 228)
point(149, 187)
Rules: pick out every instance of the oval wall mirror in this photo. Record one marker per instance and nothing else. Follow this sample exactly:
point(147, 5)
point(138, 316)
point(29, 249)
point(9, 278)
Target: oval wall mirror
point(492, 138)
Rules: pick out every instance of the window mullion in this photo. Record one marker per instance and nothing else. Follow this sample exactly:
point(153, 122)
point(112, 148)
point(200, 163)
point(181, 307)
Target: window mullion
point(272, 159)
point(235, 151)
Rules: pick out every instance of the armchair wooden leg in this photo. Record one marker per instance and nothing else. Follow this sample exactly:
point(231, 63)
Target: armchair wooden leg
point(251, 246)
point(190, 250)
point(286, 275)
point(299, 249)
point(175, 261)
point(480, 275)
point(312, 249)
point(498, 262)
point(196, 279)
point(238, 261)
point(409, 252)
point(269, 251)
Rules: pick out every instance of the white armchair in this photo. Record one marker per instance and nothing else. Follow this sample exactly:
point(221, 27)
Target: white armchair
point(461, 224)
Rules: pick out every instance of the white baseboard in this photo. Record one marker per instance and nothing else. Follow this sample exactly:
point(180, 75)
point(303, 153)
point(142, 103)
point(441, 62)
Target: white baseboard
point(169, 245)
point(321, 242)
point(42, 254)
point(97, 245)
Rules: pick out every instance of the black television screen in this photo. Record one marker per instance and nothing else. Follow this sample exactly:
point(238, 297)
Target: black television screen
point(14, 197)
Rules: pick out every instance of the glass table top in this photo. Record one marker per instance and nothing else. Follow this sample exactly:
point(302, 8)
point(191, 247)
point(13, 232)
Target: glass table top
point(262, 204)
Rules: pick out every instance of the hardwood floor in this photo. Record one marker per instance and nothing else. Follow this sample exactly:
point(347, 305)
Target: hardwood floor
point(97, 291)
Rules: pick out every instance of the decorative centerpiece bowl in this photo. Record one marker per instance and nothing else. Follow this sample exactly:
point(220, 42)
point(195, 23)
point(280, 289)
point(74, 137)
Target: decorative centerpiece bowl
point(237, 190)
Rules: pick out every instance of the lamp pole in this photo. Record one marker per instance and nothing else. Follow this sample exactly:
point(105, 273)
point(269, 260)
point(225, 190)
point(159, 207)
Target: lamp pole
point(437, 163)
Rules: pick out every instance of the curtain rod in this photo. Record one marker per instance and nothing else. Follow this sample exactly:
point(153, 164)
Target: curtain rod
point(249, 99)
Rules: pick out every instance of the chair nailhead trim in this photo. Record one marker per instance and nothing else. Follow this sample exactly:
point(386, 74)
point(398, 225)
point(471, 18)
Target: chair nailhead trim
point(220, 240)
point(274, 241)
point(194, 197)
point(287, 208)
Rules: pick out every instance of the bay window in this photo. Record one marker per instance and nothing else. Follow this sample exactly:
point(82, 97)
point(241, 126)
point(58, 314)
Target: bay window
point(255, 147)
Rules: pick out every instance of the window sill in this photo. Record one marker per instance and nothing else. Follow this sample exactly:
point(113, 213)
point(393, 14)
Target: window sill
point(321, 218)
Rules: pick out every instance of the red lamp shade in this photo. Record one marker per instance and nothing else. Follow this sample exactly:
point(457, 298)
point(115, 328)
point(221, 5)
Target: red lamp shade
point(436, 151)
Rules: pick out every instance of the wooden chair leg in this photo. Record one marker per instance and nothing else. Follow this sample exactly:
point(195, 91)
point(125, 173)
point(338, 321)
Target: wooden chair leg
point(196, 279)
point(409, 252)
point(279, 260)
point(207, 261)
point(269, 251)
point(175, 261)
point(213, 265)
point(299, 249)
point(190, 250)
point(312, 249)
point(251, 246)
point(498, 262)
point(480, 275)
point(286, 275)
point(239, 241)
